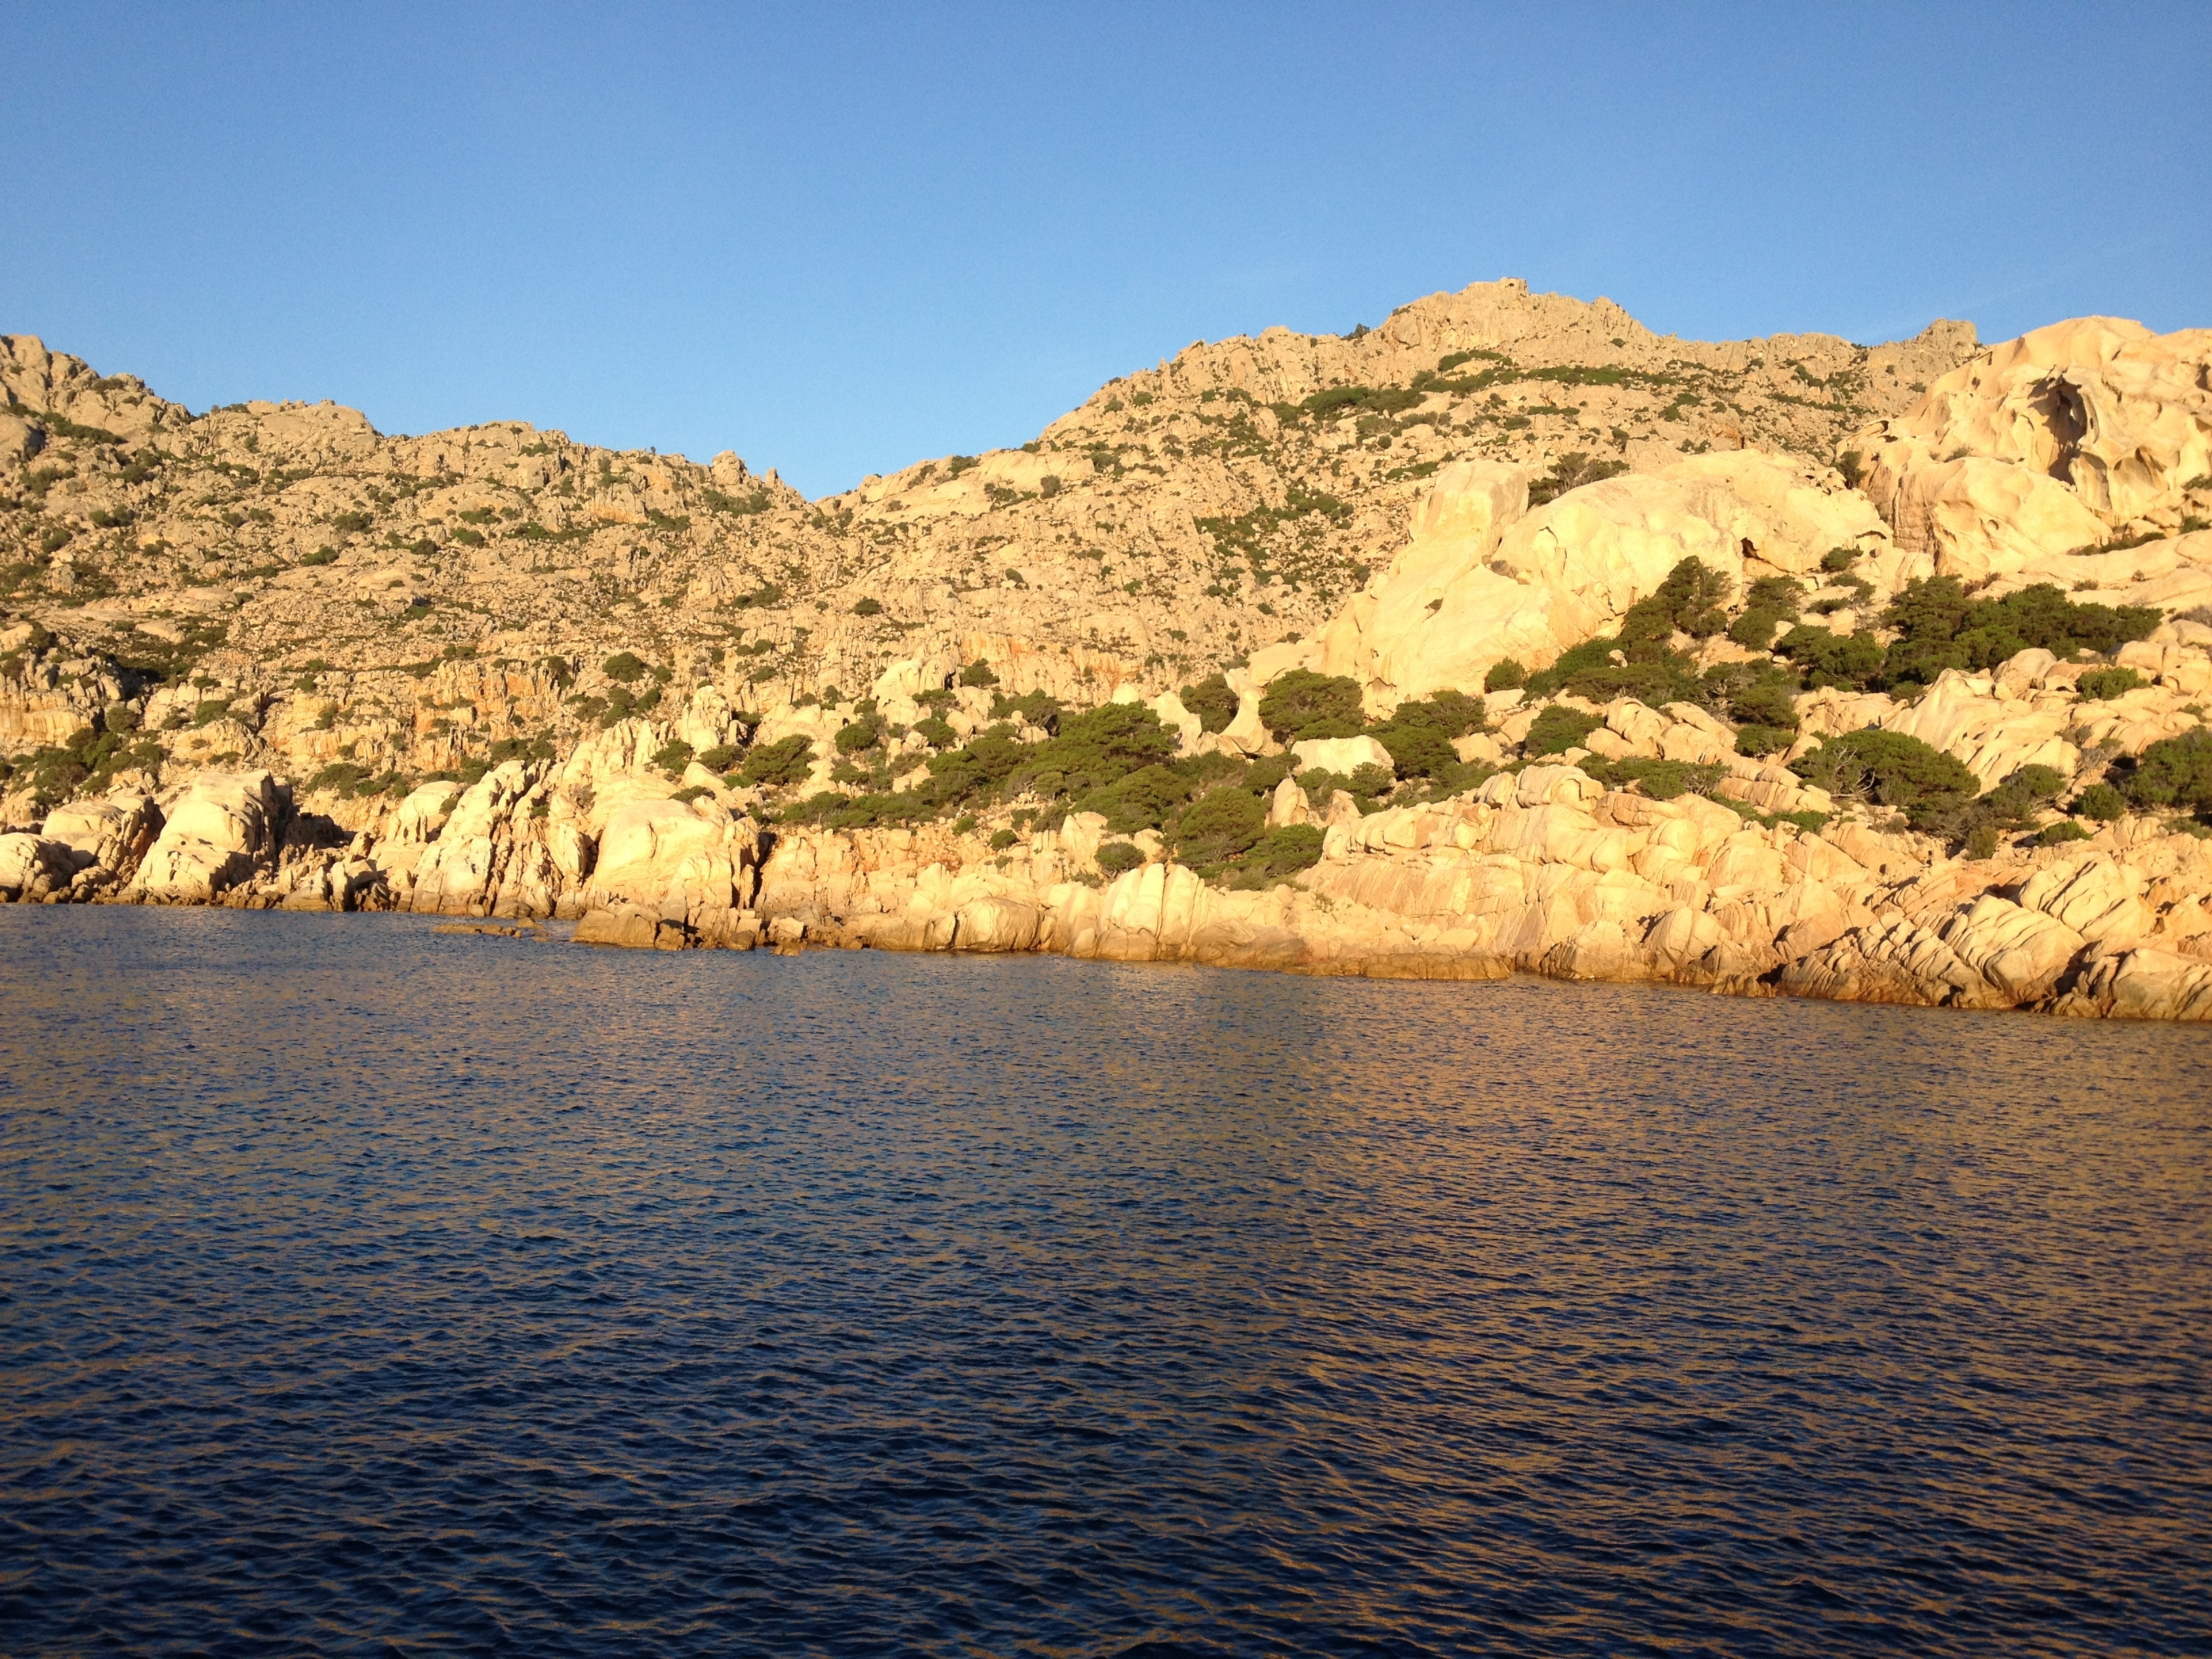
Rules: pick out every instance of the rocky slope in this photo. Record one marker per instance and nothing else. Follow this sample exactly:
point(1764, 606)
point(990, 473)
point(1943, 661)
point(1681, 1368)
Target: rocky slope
point(1508, 636)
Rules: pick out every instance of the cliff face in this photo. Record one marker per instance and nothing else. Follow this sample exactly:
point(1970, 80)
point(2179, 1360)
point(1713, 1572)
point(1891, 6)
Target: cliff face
point(280, 659)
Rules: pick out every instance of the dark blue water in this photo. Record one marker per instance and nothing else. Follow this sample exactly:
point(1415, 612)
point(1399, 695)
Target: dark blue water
point(372, 1291)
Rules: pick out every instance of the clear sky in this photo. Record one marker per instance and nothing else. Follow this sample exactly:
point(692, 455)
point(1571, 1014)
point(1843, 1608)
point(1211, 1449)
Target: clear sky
point(838, 239)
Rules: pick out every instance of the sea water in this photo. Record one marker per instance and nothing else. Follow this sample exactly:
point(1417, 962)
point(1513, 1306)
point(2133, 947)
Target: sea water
point(369, 1290)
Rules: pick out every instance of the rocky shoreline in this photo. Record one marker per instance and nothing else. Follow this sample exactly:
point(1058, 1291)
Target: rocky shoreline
point(1543, 871)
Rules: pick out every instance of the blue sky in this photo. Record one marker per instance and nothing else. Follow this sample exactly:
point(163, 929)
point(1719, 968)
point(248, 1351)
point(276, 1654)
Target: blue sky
point(840, 238)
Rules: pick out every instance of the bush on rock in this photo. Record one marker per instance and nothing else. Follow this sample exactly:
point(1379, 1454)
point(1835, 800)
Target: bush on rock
point(1302, 704)
point(1556, 730)
point(1896, 771)
point(1119, 857)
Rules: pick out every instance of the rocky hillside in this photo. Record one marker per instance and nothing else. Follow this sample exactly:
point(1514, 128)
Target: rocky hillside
point(413, 602)
point(1504, 635)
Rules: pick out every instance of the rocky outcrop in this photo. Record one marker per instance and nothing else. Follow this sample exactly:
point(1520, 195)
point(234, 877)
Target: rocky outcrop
point(1548, 872)
point(1482, 578)
point(34, 869)
point(225, 830)
point(2054, 441)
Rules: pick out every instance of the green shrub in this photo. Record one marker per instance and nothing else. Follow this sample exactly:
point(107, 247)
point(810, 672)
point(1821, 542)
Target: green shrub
point(1212, 701)
point(624, 667)
point(1690, 599)
point(2173, 772)
point(2064, 830)
point(1637, 661)
point(1757, 740)
point(1982, 841)
point(1837, 560)
point(936, 732)
point(1453, 714)
point(121, 718)
point(1369, 782)
point(1139, 800)
point(1302, 704)
point(2102, 684)
point(861, 735)
point(2016, 803)
point(720, 758)
point(1755, 630)
point(1896, 771)
point(1570, 471)
point(1556, 730)
point(1826, 658)
point(541, 748)
point(1783, 595)
point(868, 607)
point(2101, 803)
point(1278, 855)
point(1106, 743)
point(1939, 627)
point(1118, 857)
point(1037, 709)
point(978, 673)
point(340, 775)
point(776, 765)
point(674, 757)
point(1752, 694)
point(1002, 839)
point(321, 555)
point(1219, 825)
point(1662, 779)
point(1505, 675)
point(1655, 674)
point(1417, 751)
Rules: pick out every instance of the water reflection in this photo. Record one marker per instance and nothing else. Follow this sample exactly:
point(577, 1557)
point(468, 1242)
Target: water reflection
point(370, 1285)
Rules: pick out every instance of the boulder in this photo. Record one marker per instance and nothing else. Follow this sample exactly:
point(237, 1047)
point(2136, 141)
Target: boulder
point(225, 828)
point(110, 836)
point(1994, 735)
point(424, 812)
point(994, 924)
point(1481, 578)
point(33, 868)
point(1978, 518)
point(2096, 898)
point(1342, 755)
point(489, 837)
point(630, 928)
point(2021, 952)
point(674, 857)
point(2117, 417)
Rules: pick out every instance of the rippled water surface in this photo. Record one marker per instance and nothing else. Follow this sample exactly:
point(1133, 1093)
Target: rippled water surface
point(370, 1290)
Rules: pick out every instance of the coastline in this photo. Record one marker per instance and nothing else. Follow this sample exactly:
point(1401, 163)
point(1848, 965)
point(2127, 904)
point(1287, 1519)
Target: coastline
point(1544, 872)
